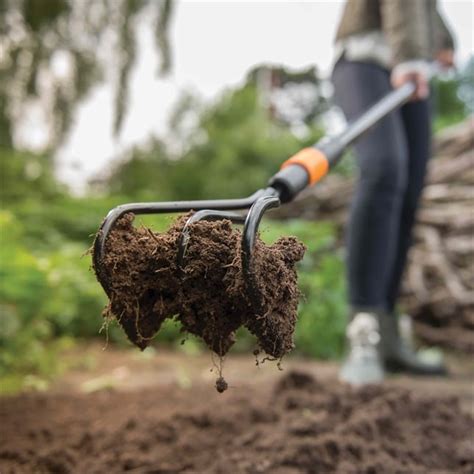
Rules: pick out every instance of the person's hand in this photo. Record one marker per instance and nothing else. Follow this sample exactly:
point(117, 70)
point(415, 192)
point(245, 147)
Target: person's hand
point(422, 91)
point(445, 58)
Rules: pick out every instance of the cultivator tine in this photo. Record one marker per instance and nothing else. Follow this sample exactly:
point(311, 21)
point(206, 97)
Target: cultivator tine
point(207, 215)
point(249, 236)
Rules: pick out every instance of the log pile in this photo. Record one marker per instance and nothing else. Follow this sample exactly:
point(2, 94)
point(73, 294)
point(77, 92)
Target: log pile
point(438, 287)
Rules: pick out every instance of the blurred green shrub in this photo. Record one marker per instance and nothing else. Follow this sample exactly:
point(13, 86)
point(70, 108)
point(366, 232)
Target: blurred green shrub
point(27, 176)
point(23, 292)
point(233, 150)
point(449, 107)
point(45, 299)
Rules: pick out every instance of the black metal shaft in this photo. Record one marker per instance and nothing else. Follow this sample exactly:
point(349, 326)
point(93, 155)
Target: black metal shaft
point(334, 147)
point(291, 180)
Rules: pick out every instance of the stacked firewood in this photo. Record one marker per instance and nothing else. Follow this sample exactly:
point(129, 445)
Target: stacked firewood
point(438, 287)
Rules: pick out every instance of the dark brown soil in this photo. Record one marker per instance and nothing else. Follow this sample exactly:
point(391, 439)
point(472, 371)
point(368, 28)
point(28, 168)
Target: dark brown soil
point(208, 296)
point(298, 425)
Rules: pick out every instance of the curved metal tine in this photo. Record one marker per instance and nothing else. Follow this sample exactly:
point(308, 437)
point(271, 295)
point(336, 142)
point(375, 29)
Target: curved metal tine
point(251, 226)
point(163, 208)
point(208, 215)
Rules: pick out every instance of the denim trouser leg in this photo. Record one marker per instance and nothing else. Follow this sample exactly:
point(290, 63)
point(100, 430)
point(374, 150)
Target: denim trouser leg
point(417, 121)
point(392, 162)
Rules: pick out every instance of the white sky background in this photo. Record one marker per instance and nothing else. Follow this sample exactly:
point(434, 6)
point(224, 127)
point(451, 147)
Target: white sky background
point(214, 44)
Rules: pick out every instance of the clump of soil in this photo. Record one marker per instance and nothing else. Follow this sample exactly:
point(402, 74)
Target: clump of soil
point(208, 295)
point(299, 425)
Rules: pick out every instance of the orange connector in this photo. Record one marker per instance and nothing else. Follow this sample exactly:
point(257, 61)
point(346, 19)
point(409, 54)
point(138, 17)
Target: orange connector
point(312, 160)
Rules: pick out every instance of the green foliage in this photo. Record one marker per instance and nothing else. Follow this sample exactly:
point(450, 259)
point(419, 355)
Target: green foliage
point(44, 298)
point(448, 106)
point(144, 174)
point(23, 329)
point(26, 176)
point(234, 149)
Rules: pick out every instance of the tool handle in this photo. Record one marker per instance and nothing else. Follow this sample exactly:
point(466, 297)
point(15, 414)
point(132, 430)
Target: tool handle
point(311, 164)
point(334, 147)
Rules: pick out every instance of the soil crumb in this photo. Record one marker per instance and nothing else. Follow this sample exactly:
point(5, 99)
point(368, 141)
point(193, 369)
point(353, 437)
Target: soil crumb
point(298, 425)
point(208, 294)
point(221, 384)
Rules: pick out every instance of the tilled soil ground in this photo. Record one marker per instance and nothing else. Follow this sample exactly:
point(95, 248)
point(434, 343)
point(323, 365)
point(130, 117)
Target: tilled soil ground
point(289, 422)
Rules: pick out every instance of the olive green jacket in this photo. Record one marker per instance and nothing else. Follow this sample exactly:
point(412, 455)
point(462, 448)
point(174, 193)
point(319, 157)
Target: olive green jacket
point(413, 29)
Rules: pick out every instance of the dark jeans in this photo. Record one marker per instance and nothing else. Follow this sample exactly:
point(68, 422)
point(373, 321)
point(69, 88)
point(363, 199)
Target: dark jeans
point(392, 160)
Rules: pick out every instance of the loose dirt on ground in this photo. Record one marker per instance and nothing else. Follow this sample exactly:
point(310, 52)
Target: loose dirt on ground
point(290, 423)
point(207, 293)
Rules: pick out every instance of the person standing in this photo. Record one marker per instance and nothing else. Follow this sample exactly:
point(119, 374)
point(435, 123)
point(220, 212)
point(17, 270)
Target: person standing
point(380, 45)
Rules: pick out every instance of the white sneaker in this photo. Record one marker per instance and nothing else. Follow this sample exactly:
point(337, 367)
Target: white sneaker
point(363, 364)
